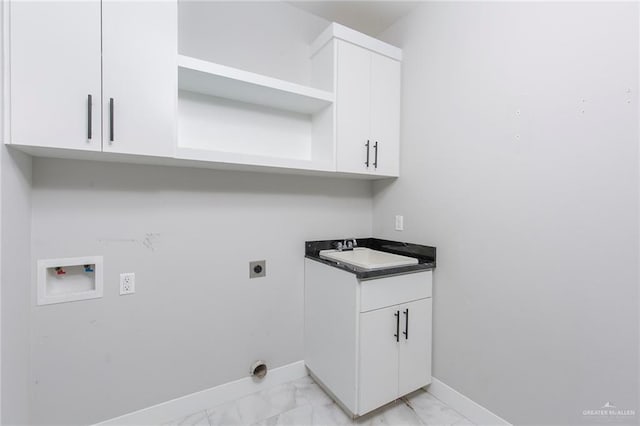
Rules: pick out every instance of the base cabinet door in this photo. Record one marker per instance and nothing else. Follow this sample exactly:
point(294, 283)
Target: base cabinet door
point(55, 74)
point(378, 374)
point(395, 353)
point(414, 363)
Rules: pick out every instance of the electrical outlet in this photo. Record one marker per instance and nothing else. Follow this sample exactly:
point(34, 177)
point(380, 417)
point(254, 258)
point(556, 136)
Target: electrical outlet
point(257, 269)
point(127, 283)
point(399, 222)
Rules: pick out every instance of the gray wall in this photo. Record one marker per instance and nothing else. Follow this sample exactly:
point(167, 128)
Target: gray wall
point(15, 214)
point(196, 320)
point(520, 162)
point(265, 37)
point(15, 228)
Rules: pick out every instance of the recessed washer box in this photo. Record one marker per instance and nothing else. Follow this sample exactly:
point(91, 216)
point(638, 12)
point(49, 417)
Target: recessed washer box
point(69, 279)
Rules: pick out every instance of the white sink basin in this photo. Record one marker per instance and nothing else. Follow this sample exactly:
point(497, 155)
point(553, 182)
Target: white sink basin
point(367, 258)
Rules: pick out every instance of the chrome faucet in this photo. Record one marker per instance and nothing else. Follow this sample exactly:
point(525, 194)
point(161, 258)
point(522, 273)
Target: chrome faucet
point(348, 244)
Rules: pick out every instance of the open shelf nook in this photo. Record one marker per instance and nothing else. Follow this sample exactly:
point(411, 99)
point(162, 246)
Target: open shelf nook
point(231, 116)
point(208, 78)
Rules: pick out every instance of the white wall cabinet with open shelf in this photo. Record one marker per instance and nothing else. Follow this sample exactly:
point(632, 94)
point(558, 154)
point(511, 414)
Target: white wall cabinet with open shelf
point(123, 93)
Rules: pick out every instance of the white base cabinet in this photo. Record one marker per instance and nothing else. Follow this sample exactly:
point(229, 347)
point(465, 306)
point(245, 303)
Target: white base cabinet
point(367, 342)
point(391, 366)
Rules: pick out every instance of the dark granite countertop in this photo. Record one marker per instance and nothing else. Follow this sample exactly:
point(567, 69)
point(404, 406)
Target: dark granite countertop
point(426, 256)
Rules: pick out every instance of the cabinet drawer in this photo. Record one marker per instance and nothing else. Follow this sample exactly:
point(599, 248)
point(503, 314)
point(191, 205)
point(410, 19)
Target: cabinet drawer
point(383, 292)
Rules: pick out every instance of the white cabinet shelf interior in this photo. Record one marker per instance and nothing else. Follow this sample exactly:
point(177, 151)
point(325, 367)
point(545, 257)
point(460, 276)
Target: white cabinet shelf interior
point(234, 116)
point(213, 79)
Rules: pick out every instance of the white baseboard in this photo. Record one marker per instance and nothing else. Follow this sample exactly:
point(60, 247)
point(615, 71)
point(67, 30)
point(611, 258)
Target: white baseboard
point(465, 406)
point(208, 398)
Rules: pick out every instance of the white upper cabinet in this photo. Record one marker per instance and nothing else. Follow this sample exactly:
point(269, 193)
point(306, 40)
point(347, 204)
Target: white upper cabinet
point(385, 115)
point(353, 109)
point(55, 74)
point(94, 76)
point(368, 113)
point(105, 76)
point(367, 86)
point(139, 42)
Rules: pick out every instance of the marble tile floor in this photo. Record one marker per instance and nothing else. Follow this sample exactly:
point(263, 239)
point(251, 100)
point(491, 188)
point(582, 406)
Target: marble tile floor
point(303, 403)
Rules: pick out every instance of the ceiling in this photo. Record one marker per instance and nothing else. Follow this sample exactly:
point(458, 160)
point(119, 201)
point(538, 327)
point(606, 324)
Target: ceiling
point(369, 17)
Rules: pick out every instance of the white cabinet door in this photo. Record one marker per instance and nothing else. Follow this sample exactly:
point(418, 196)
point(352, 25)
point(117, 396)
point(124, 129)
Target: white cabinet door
point(353, 91)
point(415, 346)
point(378, 375)
point(385, 114)
point(368, 111)
point(54, 68)
point(140, 77)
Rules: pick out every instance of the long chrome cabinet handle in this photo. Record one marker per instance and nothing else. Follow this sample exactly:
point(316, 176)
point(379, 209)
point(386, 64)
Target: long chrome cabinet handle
point(397, 335)
point(111, 119)
point(89, 117)
point(375, 157)
point(406, 324)
point(368, 146)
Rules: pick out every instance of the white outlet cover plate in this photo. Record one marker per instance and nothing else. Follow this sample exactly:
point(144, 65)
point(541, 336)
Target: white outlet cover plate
point(127, 283)
point(399, 222)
